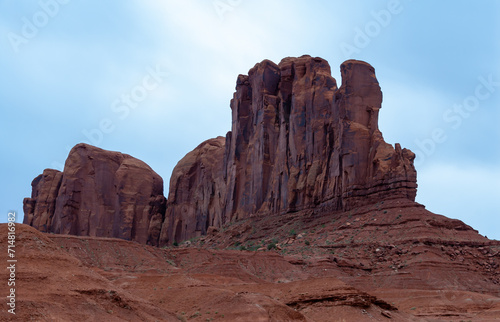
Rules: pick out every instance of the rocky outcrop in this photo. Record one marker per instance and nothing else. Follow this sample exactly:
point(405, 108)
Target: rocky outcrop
point(39, 209)
point(297, 142)
point(197, 195)
point(100, 193)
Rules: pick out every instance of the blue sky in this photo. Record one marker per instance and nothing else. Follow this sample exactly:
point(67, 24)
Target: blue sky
point(153, 79)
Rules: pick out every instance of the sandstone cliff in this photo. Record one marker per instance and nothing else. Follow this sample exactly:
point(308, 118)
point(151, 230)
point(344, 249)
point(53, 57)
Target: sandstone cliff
point(297, 142)
point(100, 193)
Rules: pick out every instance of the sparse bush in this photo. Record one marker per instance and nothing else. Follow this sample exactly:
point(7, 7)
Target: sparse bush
point(271, 246)
point(253, 248)
point(196, 314)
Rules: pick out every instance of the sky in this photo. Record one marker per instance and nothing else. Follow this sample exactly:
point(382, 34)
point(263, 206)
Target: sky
point(153, 79)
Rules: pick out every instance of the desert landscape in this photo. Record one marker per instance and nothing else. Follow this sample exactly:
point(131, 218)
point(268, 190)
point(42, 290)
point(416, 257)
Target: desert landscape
point(302, 212)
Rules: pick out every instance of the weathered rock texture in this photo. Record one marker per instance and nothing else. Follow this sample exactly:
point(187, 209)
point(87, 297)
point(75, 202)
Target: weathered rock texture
point(100, 193)
point(297, 141)
point(197, 193)
point(39, 209)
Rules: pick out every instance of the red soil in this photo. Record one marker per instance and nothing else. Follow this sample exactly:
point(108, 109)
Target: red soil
point(389, 261)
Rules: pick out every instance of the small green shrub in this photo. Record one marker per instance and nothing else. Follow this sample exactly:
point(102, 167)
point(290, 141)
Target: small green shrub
point(196, 314)
point(271, 246)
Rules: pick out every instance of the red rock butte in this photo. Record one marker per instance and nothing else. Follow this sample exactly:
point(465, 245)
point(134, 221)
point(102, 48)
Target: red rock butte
point(297, 142)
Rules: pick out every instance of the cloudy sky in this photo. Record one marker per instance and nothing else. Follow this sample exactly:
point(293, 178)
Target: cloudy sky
point(154, 79)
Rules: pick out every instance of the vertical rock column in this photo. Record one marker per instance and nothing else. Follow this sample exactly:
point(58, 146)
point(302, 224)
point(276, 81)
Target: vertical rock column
point(372, 170)
point(39, 209)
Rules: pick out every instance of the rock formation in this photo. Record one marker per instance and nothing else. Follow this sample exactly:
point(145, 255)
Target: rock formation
point(100, 193)
point(39, 209)
point(297, 142)
point(197, 195)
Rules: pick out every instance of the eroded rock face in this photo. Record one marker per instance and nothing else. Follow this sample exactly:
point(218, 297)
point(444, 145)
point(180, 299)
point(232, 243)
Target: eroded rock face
point(100, 193)
point(197, 195)
point(371, 169)
point(297, 142)
point(39, 209)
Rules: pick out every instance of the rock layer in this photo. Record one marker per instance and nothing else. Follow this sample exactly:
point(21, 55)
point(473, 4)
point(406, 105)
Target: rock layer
point(297, 142)
point(100, 193)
